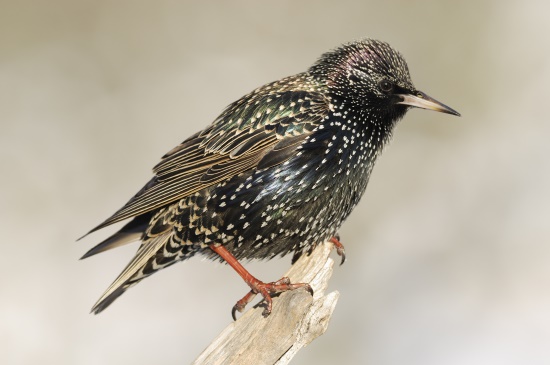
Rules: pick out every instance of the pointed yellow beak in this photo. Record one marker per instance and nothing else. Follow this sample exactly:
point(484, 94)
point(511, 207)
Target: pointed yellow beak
point(423, 101)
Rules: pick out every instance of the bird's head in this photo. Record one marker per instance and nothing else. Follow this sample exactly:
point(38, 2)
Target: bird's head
point(373, 78)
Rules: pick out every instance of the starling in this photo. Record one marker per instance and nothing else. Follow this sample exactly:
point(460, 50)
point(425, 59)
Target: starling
point(276, 173)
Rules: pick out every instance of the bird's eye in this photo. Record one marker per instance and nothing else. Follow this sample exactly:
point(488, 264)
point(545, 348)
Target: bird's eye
point(385, 86)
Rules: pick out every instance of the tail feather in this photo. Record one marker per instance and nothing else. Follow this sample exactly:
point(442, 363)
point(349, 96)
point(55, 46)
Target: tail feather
point(129, 233)
point(133, 273)
point(116, 240)
point(106, 301)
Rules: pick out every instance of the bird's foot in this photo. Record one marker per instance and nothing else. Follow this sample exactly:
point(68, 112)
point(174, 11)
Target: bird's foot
point(266, 290)
point(256, 286)
point(340, 250)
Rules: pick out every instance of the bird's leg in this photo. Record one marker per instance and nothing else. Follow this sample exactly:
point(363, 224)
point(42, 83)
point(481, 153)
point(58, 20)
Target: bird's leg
point(340, 250)
point(256, 286)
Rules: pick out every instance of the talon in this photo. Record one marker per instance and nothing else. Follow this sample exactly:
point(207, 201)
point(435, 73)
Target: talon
point(234, 311)
point(267, 310)
point(282, 281)
point(257, 286)
point(340, 250)
point(241, 304)
point(267, 290)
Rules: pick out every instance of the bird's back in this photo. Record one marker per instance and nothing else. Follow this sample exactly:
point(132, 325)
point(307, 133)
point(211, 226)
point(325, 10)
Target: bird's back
point(276, 173)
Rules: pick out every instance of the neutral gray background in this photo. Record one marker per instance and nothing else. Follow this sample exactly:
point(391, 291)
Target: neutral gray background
point(448, 252)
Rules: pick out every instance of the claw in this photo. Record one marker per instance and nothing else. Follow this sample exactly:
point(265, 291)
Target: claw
point(256, 286)
point(241, 304)
point(267, 290)
point(340, 250)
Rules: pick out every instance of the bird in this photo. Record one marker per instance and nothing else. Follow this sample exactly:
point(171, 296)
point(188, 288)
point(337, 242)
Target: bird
point(276, 173)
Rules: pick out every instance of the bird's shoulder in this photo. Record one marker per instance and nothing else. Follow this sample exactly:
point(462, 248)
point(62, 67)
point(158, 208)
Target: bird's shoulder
point(296, 103)
point(287, 109)
point(259, 130)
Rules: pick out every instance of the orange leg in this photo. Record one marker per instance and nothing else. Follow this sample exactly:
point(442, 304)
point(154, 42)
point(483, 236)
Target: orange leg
point(256, 286)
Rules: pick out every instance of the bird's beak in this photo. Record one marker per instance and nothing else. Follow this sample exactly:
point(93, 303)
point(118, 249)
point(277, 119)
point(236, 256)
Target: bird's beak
point(423, 101)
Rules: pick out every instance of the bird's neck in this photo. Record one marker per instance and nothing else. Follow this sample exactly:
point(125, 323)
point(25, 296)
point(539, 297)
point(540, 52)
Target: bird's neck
point(365, 126)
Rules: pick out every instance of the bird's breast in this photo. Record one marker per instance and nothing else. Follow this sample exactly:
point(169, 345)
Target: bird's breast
point(301, 202)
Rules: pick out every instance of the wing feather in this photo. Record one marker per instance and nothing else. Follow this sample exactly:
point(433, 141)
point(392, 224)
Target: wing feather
point(262, 123)
point(131, 274)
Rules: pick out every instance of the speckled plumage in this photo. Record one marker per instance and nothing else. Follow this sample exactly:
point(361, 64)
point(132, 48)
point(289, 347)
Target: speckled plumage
point(276, 173)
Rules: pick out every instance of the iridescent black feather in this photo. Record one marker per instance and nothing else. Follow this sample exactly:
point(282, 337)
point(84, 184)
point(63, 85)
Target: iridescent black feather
point(276, 173)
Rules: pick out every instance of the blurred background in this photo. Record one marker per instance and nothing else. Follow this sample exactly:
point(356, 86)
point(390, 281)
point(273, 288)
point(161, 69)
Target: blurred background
point(448, 252)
